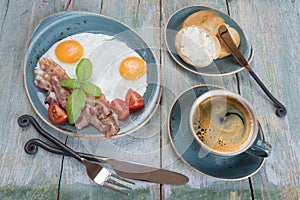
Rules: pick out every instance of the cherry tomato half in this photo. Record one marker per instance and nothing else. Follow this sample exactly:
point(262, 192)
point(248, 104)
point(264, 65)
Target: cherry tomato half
point(120, 108)
point(134, 100)
point(56, 114)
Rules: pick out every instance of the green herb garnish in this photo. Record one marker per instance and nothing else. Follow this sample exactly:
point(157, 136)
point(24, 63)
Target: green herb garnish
point(76, 101)
point(90, 88)
point(84, 69)
point(70, 83)
point(75, 104)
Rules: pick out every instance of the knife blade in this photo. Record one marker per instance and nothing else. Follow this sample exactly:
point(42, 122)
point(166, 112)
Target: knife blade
point(229, 43)
point(122, 168)
point(146, 173)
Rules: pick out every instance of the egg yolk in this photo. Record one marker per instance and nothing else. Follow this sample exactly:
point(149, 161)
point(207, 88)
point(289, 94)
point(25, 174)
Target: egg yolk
point(69, 51)
point(132, 68)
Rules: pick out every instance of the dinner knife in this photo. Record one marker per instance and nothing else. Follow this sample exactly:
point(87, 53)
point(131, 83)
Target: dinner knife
point(229, 43)
point(122, 168)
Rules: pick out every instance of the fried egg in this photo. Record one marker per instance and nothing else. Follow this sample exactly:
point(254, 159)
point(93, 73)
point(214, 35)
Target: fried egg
point(109, 60)
point(116, 67)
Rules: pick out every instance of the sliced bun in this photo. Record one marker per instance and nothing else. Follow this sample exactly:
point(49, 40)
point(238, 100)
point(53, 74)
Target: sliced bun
point(211, 21)
point(236, 38)
point(192, 51)
point(205, 18)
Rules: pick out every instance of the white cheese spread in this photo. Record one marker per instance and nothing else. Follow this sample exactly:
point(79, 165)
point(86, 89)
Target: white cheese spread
point(197, 46)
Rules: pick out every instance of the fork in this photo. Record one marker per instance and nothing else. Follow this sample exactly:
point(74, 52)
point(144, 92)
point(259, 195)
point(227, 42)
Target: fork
point(95, 171)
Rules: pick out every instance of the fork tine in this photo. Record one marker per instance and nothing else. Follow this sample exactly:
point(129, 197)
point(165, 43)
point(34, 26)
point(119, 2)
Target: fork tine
point(113, 182)
point(114, 189)
point(122, 179)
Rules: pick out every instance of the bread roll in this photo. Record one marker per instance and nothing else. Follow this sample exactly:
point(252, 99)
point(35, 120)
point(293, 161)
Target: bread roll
point(205, 18)
point(211, 21)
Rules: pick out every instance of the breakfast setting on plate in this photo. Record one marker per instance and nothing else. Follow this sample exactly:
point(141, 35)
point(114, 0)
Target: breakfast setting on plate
point(200, 118)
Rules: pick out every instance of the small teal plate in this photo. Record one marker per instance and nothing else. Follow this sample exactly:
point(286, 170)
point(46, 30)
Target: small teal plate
point(187, 148)
point(220, 67)
point(61, 25)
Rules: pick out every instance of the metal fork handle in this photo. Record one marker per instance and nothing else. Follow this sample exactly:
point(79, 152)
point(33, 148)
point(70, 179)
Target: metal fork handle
point(226, 38)
point(26, 120)
point(31, 147)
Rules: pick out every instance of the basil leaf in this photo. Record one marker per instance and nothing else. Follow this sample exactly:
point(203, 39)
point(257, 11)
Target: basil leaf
point(75, 103)
point(84, 69)
point(70, 83)
point(92, 89)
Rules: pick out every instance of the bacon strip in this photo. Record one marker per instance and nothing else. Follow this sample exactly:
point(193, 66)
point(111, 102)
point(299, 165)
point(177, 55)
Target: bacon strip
point(61, 93)
point(96, 111)
point(53, 69)
point(48, 77)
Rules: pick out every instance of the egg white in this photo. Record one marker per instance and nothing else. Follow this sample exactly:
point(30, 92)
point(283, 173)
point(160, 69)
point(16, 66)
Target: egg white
point(106, 60)
point(106, 54)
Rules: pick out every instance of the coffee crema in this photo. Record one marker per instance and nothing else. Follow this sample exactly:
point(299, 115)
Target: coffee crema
point(222, 123)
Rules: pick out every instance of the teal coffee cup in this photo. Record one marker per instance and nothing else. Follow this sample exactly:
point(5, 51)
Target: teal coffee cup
point(224, 123)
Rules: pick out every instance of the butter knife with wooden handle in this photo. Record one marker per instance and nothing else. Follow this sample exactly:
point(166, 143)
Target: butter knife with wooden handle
point(229, 43)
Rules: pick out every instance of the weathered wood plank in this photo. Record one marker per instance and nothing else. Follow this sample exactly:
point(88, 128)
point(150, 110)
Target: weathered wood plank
point(273, 27)
point(22, 176)
point(141, 146)
point(199, 186)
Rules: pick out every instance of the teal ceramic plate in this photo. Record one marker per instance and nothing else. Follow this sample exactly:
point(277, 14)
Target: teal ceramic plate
point(61, 25)
point(220, 67)
point(187, 148)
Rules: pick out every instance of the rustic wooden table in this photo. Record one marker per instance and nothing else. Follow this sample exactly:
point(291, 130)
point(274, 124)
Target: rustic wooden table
point(273, 28)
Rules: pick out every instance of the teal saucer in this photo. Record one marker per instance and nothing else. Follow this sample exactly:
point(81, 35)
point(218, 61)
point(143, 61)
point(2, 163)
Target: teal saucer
point(187, 148)
point(221, 66)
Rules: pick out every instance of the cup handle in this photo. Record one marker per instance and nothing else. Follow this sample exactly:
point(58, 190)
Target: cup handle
point(260, 148)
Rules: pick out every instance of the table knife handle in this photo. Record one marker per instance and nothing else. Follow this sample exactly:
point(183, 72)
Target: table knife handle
point(226, 38)
point(281, 110)
point(32, 145)
point(26, 120)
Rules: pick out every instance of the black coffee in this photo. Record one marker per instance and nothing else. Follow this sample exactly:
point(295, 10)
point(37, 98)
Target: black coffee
point(223, 123)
